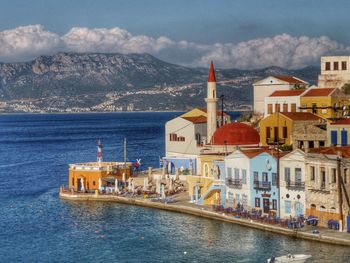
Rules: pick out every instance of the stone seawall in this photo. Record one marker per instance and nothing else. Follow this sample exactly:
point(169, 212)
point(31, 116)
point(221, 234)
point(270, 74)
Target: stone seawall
point(198, 211)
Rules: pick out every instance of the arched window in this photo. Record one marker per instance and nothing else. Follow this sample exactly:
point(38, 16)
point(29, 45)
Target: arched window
point(313, 206)
point(322, 208)
point(332, 210)
point(206, 170)
point(216, 172)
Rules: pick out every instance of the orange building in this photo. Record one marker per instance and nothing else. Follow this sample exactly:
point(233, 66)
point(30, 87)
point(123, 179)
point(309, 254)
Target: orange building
point(88, 176)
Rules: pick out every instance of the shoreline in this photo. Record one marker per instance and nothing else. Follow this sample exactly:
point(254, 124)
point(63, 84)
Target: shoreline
point(202, 212)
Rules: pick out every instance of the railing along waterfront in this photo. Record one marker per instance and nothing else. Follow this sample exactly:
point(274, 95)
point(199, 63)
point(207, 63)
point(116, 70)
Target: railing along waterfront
point(262, 185)
point(295, 185)
point(234, 183)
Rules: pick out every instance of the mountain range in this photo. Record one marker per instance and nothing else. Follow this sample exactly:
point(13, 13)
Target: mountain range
point(114, 82)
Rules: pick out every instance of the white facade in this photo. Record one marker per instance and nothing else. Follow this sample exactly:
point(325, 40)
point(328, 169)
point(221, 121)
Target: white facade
point(292, 184)
point(281, 101)
point(237, 167)
point(267, 86)
point(335, 71)
point(211, 101)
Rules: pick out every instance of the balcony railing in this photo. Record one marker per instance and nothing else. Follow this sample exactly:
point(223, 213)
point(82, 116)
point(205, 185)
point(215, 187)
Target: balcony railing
point(295, 185)
point(234, 183)
point(262, 185)
point(275, 141)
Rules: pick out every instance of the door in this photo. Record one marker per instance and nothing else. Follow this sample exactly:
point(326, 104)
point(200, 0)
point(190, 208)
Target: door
point(266, 205)
point(334, 138)
point(79, 184)
point(299, 209)
point(344, 138)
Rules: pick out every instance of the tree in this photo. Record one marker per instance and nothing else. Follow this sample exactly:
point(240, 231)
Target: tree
point(346, 88)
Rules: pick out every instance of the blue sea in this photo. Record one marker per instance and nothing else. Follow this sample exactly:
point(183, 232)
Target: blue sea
point(36, 226)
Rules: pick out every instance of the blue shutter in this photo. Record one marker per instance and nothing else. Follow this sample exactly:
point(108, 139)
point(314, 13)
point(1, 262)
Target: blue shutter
point(344, 138)
point(334, 138)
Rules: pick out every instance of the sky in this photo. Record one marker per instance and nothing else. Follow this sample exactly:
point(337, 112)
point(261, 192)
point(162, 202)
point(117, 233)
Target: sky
point(246, 34)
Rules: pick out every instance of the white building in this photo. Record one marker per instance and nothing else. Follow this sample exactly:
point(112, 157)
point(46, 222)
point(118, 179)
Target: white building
point(292, 184)
point(263, 88)
point(283, 101)
point(335, 71)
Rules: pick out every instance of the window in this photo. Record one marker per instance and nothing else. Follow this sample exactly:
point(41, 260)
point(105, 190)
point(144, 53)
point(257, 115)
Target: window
point(264, 177)
point(72, 181)
point(244, 176)
point(334, 175)
point(198, 138)
point(311, 144)
point(343, 65)
point(312, 173)
point(206, 170)
point(238, 198)
point(344, 137)
point(293, 107)
point(173, 136)
point(314, 108)
point(269, 108)
point(328, 65)
point(285, 132)
point(274, 178)
point(297, 175)
point(287, 174)
point(229, 173)
point(335, 65)
point(274, 204)
point(93, 183)
point(256, 176)
point(268, 133)
point(323, 178)
point(287, 207)
point(321, 143)
point(236, 174)
point(285, 107)
point(277, 107)
point(257, 202)
point(334, 138)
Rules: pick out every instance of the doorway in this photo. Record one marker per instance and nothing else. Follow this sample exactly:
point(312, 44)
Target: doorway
point(266, 205)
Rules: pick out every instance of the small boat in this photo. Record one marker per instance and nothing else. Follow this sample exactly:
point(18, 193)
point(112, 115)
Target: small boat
point(289, 258)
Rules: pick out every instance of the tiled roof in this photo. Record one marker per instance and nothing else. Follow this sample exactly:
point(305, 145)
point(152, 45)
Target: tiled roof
point(318, 92)
point(251, 153)
point(344, 151)
point(301, 116)
point(198, 119)
point(290, 79)
point(340, 122)
point(282, 93)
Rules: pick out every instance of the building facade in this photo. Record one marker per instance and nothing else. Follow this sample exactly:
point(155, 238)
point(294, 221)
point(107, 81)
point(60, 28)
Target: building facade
point(335, 71)
point(338, 133)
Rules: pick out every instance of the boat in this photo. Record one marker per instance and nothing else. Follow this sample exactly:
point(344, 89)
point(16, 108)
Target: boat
point(289, 258)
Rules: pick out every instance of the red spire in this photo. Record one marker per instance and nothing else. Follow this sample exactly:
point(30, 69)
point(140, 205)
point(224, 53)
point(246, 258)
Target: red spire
point(211, 76)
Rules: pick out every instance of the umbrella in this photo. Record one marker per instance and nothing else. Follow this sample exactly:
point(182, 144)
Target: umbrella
point(116, 189)
point(82, 185)
point(100, 184)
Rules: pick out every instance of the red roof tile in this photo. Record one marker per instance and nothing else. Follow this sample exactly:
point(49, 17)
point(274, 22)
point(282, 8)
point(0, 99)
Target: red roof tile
point(199, 119)
point(290, 79)
point(282, 93)
point(341, 122)
point(301, 116)
point(318, 92)
point(344, 151)
point(211, 76)
point(251, 153)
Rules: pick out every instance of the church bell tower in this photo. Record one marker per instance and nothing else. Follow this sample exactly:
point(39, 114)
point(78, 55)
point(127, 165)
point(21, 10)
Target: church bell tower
point(211, 101)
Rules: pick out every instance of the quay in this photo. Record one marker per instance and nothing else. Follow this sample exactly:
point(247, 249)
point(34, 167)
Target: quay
point(182, 205)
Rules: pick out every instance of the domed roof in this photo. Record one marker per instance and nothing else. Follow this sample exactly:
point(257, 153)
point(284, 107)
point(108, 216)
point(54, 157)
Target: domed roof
point(235, 133)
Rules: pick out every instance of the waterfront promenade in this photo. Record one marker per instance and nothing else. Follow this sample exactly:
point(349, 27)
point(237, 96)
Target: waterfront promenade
point(181, 204)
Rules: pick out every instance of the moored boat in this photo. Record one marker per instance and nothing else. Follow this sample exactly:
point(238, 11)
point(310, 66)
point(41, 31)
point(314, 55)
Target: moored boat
point(289, 258)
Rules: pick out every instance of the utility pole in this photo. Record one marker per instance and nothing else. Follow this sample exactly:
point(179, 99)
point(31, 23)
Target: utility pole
point(340, 193)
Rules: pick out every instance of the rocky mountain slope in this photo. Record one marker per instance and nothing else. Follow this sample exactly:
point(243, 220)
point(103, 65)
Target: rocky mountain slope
point(109, 82)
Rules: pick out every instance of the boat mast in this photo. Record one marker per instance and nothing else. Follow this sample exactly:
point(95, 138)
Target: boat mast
point(124, 152)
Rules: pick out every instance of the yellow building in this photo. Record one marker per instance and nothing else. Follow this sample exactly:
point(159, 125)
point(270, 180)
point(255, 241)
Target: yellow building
point(88, 176)
point(206, 188)
point(285, 127)
point(328, 103)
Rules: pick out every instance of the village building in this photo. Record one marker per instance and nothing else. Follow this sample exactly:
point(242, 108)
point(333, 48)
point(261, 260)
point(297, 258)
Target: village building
point(328, 103)
point(265, 87)
point(338, 133)
point(299, 129)
point(292, 184)
point(335, 71)
point(283, 101)
point(327, 184)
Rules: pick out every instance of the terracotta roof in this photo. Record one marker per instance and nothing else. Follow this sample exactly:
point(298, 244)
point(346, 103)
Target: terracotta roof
point(290, 79)
point(251, 153)
point(282, 93)
point(343, 121)
point(211, 76)
point(318, 92)
point(301, 116)
point(345, 151)
point(198, 119)
point(235, 133)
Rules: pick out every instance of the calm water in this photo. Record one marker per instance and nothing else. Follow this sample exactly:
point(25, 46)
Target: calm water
point(36, 226)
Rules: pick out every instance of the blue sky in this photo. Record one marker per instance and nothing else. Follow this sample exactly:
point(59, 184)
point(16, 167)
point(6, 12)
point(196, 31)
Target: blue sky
point(184, 32)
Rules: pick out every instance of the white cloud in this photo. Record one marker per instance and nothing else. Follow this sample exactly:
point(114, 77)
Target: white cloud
point(283, 50)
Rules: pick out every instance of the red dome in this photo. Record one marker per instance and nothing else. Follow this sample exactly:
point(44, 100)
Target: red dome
point(235, 133)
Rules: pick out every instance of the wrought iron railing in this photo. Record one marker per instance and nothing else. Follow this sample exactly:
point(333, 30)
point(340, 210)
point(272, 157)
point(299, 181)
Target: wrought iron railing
point(234, 183)
point(262, 185)
point(295, 185)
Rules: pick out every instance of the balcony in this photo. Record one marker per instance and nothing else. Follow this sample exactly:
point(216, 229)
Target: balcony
point(262, 185)
point(295, 185)
point(275, 141)
point(234, 183)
